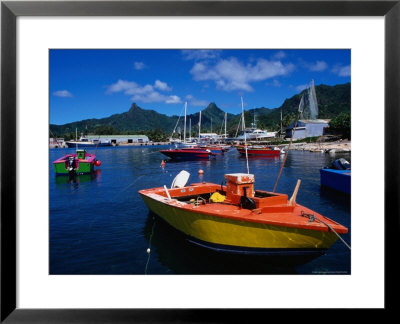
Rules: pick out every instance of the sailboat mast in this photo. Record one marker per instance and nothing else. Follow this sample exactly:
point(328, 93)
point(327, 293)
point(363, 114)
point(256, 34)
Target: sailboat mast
point(199, 125)
point(245, 143)
point(76, 137)
point(184, 126)
point(281, 122)
point(190, 129)
point(225, 123)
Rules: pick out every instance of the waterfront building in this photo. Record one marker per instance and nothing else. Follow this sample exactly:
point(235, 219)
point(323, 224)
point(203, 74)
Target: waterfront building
point(56, 142)
point(307, 128)
point(119, 139)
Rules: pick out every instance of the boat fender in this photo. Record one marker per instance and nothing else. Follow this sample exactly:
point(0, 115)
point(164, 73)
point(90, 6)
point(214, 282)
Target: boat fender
point(180, 180)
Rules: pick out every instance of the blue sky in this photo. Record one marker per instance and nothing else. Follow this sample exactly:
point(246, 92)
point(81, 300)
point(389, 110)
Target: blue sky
point(99, 83)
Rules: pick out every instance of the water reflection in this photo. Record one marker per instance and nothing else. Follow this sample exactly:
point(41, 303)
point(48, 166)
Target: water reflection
point(76, 179)
point(335, 197)
point(172, 250)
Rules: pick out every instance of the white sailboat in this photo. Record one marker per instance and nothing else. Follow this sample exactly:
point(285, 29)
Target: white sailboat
point(253, 133)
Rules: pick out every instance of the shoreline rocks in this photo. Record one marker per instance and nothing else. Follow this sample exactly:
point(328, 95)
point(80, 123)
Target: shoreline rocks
point(327, 147)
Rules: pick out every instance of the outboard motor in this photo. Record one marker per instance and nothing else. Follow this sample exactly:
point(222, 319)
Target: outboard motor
point(341, 164)
point(71, 167)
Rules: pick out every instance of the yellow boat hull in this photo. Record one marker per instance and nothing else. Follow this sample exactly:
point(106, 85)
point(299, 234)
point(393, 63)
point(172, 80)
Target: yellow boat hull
point(216, 232)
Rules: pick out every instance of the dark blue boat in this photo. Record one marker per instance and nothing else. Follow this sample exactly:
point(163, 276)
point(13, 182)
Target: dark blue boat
point(339, 180)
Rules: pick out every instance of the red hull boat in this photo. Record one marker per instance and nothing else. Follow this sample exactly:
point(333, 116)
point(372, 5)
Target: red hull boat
point(258, 150)
point(187, 153)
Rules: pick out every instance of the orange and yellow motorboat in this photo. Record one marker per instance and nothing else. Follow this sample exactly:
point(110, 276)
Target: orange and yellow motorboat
point(236, 218)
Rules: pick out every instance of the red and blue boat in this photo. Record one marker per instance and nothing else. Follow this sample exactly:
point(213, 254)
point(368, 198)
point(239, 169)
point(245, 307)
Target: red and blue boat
point(216, 149)
point(213, 149)
point(188, 153)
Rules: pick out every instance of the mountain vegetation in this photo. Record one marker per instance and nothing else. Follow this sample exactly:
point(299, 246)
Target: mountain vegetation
point(332, 101)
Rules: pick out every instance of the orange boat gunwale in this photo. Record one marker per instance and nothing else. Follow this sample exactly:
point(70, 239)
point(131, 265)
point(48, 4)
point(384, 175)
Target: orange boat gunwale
point(272, 209)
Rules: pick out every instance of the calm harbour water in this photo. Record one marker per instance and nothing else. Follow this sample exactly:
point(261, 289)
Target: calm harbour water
point(100, 225)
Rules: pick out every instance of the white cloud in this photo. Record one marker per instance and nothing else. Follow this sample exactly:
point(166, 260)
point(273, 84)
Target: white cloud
point(279, 55)
point(196, 102)
point(200, 54)
point(342, 71)
point(146, 93)
point(139, 65)
point(317, 66)
point(121, 86)
point(274, 83)
point(231, 74)
point(163, 86)
point(173, 100)
point(302, 87)
point(62, 93)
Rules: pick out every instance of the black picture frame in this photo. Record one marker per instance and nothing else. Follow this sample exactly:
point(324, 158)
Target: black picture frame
point(10, 10)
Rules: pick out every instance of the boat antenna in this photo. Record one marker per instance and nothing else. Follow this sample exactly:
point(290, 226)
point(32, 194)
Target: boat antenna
point(301, 107)
point(245, 143)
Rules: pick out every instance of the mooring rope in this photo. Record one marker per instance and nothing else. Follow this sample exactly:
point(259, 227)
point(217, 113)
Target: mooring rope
point(149, 248)
point(312, 217)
